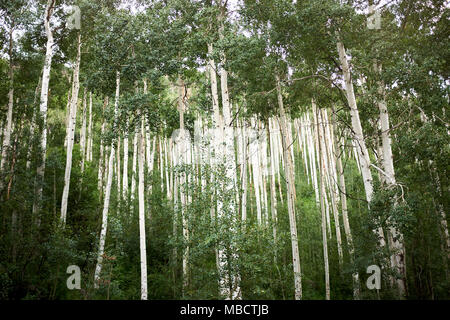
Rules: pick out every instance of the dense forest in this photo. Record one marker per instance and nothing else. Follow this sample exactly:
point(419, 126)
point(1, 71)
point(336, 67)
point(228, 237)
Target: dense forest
point(214, 149)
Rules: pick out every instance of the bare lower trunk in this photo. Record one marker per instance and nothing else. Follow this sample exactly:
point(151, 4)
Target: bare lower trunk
point(343, 195)
point(43, 111)
point(290, 194)
point(142, 238)
point(98, 267)
point(71, 134)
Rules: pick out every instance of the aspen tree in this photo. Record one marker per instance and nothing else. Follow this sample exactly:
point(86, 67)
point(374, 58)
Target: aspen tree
point(83, 132)
point(98, 267)
point(290, 193)
point(142, 237)
point(90, 138)
point(71, 133)
point(343, 195)
point(6, 142)
point(322, 207)
point(100, 175)
point(43, 109)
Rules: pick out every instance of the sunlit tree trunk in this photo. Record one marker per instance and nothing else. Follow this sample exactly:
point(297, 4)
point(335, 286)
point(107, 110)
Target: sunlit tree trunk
point(98, 267)
point(71, 133)
point(43, 110)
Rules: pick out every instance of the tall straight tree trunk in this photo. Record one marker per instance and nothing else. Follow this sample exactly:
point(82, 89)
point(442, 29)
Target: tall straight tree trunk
point(273, 195)
point(6, 143)
point(83, 131)
point(100, 176)
point(142, 238)
point(98, 267)
point(396, 238)
point(230, 172)
point(43, 110)
point(329, 164)
point(89, 136)
point(125, 165)
point(290, 193)
point(134, 171)
point(71, 133)
point(343, 195)
point(322, 206)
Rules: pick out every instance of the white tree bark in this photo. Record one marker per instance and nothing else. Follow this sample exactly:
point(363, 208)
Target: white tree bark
point(83, 132)
point(6, 143)
point(71, 133)
point(90, 137)
point(290, 194)
point(101, 156)
point(343, 195)
point(133, 176)
point(98, 267)
point(142, 238)
point(125, 166)
point(358, 135)
point(396, 238)
point(43, 108)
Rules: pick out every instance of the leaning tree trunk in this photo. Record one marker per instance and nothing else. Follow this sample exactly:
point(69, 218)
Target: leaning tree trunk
point(43, 110)
point(71, 133)
point(98, 267)
point(290, 194)
point(358, 135)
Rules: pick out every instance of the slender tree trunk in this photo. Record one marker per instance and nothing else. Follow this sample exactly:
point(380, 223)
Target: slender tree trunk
point(358, 135)
point(90, 137)
point(397, 258)
point(83, 132)
point(322, 208)
point(6, 143)
point(343, 192)
point(101, 156)
point(71, 133)
point(43, 110)
point(133, 176)
point(98, 267)
point(142, 238)
point(290, 194)
point(125, 165)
